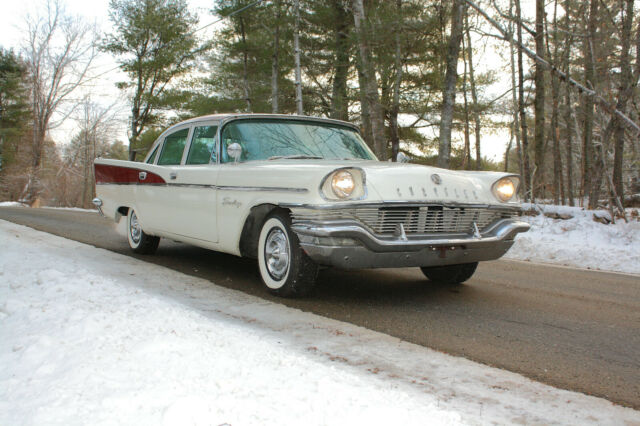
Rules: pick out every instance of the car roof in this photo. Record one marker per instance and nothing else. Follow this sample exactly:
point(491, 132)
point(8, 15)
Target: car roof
point(224, 117)
point(234, 116)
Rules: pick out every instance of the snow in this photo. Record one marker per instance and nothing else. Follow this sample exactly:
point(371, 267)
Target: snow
point(88, 336)
point(74, 209)
point(579, 241)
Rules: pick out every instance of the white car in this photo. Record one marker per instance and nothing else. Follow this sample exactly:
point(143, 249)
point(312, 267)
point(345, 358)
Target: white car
point(298, 193)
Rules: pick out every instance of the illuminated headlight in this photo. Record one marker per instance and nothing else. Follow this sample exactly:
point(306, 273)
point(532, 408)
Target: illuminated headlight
point(506, 188)
point(343, 184)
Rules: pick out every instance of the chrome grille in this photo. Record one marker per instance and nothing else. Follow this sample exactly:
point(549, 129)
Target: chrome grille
point(414, 220)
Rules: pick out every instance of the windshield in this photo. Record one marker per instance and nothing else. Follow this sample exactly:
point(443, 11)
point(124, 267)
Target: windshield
point(268, 139)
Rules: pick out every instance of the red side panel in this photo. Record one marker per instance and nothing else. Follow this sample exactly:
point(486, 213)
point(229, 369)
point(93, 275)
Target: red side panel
point(124, 175)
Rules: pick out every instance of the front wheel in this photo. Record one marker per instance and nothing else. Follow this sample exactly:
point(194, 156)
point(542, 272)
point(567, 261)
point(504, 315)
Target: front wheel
point(453, 274)
point(139, 241)
point(284, 267)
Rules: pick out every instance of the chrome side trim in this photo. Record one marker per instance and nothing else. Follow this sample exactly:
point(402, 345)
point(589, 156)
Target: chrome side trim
point(378, 204)
point(192, 185)
point(263, 189)
point(216, 187)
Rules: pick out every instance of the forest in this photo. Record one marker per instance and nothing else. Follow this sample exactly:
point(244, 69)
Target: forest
point(550, 85)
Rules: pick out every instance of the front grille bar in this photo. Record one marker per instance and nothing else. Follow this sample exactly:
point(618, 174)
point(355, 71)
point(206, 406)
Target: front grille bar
point(413, 220)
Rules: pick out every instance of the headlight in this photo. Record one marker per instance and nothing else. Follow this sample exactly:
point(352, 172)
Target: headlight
point(506, 188)
point(344, 184)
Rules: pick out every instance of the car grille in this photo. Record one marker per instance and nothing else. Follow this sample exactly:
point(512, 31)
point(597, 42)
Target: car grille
point(414, 220)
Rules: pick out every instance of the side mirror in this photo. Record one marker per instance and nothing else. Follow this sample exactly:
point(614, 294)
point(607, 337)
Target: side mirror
point(403, 158)
point(235, 151)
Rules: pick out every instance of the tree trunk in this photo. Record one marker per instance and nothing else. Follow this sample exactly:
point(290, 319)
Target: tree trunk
point(508, 150)
point(626, 86)
point(370, 82)
point(245, 67)
point(558, 190)
point(589, 73)
point(569, 123)
point(514, 101)
point(539, 119)
point(474, 94)
point(466, 160)
point(449, 89)
point(339, 97)
point(275, 92)
point(395, 104)
point(365, 114)
point(296, 56)
point(526, 177)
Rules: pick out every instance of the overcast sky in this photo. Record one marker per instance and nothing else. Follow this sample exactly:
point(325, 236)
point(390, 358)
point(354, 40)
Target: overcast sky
point(102, 90)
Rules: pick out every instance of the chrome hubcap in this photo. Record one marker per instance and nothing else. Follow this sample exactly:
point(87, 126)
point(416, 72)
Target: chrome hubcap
point(134, 228)
point(276, 253)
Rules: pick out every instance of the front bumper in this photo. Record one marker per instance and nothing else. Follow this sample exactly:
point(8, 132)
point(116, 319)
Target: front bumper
point(350, 245)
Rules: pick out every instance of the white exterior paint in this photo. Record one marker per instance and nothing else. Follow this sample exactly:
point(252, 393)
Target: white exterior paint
point(208, 205)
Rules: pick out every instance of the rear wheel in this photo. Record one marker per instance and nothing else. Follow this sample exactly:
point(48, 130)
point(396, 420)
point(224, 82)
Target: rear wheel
point(284, 267)
point(139, 241)
point(453, 274)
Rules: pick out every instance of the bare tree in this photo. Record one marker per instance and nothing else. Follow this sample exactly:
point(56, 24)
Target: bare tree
point(96, 124)
point(59, 51)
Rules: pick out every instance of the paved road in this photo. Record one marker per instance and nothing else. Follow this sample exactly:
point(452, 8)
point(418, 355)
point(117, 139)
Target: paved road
point(574, 329)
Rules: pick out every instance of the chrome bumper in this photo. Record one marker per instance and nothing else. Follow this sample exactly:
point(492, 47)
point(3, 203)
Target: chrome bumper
point(351, 246)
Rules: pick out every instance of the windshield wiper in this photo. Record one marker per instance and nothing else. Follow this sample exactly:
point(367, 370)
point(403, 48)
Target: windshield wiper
point(295, 157)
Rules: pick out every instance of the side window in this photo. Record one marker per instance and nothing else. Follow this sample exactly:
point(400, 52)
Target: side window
point(153, 156)
point(203, 145)
point(173, 148)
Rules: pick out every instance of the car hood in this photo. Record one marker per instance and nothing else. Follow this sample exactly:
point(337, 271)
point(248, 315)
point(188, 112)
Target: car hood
point(391, 182)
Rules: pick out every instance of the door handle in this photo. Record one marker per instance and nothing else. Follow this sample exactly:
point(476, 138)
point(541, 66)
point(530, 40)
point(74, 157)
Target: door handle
point(142, 175)
point(173, 175)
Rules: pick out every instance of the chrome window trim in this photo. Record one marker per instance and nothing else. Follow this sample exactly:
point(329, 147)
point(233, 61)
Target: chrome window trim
point(192, 133)
point(163, 138)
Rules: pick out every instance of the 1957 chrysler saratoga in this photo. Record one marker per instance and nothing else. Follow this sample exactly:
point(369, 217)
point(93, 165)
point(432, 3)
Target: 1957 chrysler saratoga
point(298, 193)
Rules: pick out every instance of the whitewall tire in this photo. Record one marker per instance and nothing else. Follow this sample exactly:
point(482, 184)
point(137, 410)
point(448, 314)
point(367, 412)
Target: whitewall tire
point(284, 267)
point(139, 241)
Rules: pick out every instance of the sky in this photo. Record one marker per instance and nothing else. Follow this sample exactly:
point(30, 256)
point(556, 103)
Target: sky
point(102, 90)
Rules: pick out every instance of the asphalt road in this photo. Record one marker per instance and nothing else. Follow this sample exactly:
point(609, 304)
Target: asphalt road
point(574, 329)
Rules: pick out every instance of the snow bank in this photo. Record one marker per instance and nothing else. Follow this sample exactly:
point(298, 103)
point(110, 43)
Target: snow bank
point(92, 337)
point(579, 241)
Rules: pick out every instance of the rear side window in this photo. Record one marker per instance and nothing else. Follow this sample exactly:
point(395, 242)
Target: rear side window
point(202, 145)
point(173, 148)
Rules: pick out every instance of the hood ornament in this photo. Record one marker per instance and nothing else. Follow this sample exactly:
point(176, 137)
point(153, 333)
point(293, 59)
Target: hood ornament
point(435, 178)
